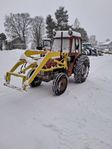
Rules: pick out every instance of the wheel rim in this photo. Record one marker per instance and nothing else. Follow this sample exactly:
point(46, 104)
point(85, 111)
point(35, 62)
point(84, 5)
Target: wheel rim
point(84, 71)
point(62, 84)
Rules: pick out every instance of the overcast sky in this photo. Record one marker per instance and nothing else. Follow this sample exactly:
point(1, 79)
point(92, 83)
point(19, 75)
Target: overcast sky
point(94, 15)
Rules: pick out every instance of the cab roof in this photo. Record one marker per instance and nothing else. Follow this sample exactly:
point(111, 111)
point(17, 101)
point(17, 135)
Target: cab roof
point(66, 34)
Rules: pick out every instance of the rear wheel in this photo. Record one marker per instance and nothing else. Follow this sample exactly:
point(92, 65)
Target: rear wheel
point(60, 84)
point(81, 70)
point(36, 82)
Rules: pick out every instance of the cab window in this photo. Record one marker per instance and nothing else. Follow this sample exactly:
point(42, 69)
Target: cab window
point(77, 45)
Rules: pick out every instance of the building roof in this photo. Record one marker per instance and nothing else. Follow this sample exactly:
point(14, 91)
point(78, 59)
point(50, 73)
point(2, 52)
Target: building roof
point(106, 43)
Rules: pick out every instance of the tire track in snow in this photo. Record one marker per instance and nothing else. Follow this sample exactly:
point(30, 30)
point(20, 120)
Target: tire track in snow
point(62, 136)
point(66, 133)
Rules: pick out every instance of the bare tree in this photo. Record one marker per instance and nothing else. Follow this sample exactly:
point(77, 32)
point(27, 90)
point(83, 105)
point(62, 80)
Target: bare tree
point(37, 29)
point(17, 26)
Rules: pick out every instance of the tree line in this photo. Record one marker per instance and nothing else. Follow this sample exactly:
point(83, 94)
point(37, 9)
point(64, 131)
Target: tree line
point(22, 26)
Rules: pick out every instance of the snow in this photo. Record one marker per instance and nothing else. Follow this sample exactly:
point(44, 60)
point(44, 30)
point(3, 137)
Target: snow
point(27, 59)
point(81, 118)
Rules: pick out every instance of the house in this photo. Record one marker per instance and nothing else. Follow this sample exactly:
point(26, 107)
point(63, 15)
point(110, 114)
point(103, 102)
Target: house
point(16, 43)
point(106, 45)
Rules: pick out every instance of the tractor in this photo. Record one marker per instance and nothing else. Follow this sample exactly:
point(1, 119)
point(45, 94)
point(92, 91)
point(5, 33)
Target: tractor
point(64, 60)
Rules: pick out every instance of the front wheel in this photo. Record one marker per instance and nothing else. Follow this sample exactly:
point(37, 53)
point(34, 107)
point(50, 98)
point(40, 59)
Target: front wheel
point(36, 82)
point(81, 70)
point(60, 84)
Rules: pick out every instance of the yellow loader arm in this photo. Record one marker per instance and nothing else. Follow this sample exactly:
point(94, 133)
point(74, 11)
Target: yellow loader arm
point(28, 62)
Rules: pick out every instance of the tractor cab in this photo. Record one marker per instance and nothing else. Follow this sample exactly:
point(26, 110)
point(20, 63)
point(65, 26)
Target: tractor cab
point(67, 41)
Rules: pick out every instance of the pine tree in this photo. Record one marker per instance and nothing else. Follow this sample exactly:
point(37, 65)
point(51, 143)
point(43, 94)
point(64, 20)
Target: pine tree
point(50, 26)
point(62, 19)
point(83, 33)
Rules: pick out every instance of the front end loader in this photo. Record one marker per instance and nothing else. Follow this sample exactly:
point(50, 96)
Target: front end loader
point(61, 62)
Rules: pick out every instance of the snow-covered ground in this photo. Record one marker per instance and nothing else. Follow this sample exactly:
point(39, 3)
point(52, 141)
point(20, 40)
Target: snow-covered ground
point(81, 118)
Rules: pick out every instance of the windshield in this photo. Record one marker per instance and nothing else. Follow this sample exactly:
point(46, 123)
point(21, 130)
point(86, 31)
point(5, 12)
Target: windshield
point(57, 45)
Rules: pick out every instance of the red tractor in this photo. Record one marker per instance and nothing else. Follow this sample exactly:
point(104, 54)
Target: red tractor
point(65, 58)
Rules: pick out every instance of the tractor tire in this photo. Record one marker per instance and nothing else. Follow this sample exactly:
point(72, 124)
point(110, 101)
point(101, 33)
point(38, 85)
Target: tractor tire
point(60, 84)
point(81, 70)
point(36, 82)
